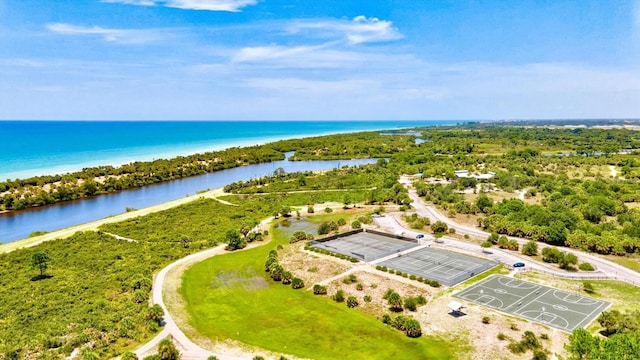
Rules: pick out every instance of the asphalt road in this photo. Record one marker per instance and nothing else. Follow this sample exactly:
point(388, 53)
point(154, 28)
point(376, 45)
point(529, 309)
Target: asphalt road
point(605, 268)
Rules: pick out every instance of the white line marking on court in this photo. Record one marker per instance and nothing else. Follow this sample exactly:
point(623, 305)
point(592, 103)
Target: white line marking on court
point(519, 301)
point(537, 297)
point(567, 308)
point(588, 317)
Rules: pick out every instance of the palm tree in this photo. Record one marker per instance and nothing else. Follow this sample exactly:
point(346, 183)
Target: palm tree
point(167, 350)
point(286, 277)
point(395, 302)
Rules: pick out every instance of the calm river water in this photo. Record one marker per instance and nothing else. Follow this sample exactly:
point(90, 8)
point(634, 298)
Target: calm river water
point(59, 216)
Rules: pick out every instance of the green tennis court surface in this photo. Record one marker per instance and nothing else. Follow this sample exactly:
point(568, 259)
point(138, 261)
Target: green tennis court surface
point(366, 246)
point(448, 267)
point(556, 308)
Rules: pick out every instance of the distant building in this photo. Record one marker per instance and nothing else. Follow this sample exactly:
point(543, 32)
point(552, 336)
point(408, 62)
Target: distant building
point(465, 174)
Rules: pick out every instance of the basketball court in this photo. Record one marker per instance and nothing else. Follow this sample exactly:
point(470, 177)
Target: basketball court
point(556, 308)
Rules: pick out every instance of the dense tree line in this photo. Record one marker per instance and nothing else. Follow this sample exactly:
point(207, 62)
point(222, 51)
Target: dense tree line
point(42, 190)
point(581, 205)
point(36, 191)
point(512, 152)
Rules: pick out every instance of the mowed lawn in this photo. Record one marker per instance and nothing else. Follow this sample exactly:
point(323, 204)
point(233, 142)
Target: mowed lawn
point(231, 296)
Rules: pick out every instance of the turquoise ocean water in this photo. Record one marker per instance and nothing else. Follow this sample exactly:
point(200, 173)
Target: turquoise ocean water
point(31, 148)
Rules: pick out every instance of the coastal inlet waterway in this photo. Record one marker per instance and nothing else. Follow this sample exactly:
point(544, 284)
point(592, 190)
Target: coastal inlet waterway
point(18, 225)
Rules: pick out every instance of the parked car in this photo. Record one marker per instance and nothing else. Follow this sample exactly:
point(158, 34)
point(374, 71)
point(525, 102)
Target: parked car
point(419, 236)
point(518, 264)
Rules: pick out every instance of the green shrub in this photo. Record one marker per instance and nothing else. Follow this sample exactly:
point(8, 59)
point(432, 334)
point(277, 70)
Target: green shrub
point(539, 355)
point(352, 302)
point(350, 279)
point(297, 283)
point(410, 304)
point(367, 298)
point(338, 296)
point(587, 287)
point(486, 320)
point(319, 289)
point(585, 266)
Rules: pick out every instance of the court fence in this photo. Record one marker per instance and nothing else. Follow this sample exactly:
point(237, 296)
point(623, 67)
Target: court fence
point(399, 237)
point(468, 274)
point(335, 236)
point(581, 276)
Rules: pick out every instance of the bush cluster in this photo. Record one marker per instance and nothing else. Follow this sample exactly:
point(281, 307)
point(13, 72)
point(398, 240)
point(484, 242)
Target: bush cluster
point(529, 342)
point(410, 326)
point(300, 236)
point(432, 283)
point(278, 273)
point(565, 260)
point(327, 252)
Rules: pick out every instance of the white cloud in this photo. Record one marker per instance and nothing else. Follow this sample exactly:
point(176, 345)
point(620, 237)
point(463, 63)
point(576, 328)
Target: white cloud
point(209, 5)
point(301, 57)
point(128, 36)
point(359, 30)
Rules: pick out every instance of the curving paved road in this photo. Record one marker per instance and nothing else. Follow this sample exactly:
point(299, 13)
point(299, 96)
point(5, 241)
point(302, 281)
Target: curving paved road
point(188, 349)
point(605, 268)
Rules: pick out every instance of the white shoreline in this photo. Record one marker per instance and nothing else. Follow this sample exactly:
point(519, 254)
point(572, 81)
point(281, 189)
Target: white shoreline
point(149, 155)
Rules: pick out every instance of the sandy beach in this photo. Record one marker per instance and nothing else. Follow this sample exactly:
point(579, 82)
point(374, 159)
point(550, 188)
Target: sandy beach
point(93, 225)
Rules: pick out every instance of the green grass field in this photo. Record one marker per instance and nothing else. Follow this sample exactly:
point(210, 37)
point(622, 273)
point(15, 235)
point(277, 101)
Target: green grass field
point(230, 296)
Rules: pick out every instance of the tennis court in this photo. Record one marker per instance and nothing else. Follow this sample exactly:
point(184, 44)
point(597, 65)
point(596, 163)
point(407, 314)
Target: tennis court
point(365, 245)
point(556, 308)
point(447, 267)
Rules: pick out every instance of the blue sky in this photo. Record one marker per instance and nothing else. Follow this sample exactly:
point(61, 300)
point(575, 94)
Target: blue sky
point(316, 59)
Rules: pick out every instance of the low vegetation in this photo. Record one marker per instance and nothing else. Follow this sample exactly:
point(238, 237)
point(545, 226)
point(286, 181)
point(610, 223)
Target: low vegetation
point(570, 201)
point(236, 304)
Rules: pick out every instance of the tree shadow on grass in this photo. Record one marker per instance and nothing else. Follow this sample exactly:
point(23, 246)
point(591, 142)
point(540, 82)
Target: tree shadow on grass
point(41, 277)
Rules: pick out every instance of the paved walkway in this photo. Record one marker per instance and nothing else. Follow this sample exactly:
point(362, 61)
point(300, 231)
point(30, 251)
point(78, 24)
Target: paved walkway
point(188, 349)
